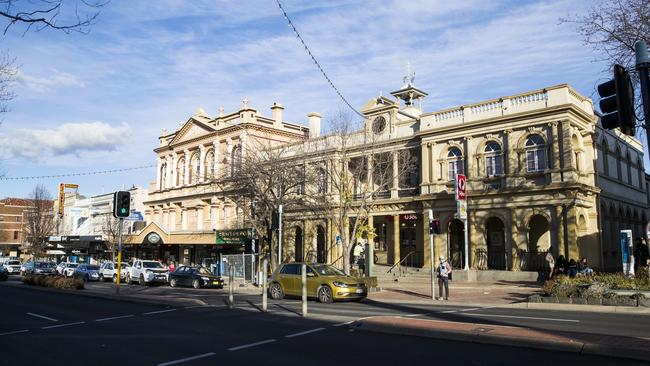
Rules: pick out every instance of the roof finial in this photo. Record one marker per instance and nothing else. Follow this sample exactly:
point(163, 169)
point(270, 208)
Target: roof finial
point(221, 110)
point(410, 76)
point(245, 102)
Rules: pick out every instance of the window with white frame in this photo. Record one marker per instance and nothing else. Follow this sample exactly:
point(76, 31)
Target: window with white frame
point(163, 176)
point(493, 159)
point(536, 160)
point(322, 181)
point(236, 161)
point(454, 163)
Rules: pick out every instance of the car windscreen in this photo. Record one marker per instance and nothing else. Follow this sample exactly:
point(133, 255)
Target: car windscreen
point(44, 265)
point(327, 270)
point(92, 268)
point(203, 271)
point(13, 263)
point(72, 265)
point(151, 265)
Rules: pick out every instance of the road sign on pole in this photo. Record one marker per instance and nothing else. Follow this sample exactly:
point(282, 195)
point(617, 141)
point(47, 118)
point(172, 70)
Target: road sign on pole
point(461, 187)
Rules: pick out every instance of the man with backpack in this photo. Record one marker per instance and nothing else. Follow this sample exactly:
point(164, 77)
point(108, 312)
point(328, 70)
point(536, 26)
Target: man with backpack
point(444, 275)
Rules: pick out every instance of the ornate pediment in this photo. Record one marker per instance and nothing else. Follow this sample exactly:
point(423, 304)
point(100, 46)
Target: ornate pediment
point(191, 130)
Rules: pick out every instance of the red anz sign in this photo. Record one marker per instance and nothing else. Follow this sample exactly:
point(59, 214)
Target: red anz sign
point(461, 187)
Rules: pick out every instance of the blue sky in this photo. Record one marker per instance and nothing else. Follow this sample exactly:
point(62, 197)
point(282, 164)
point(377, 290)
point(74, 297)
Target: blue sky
point(98, 101)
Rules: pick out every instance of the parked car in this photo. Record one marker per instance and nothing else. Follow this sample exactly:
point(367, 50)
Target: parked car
point(147, 272)
point(38, 268)
point(324, 282)
point(108, 271)
point(68, 268)
point(86, 272)
point(196, 277)
point(12, 266)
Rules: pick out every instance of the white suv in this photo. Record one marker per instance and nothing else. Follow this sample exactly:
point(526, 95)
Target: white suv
point(108, 271)
point(147, 272)
point(67, 269)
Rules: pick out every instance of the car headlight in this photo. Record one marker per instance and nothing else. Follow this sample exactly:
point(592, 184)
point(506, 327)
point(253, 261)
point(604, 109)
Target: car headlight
point(39, 270)
point(206, 279)
point(147, 271)
point(339, 284)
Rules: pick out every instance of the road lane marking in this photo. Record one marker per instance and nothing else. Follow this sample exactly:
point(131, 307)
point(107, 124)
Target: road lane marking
point(471, 309)
point(205, 306)
point(524, 317)
point(303, 333)
point(344, 323)
point(14, 332)
point(43, 317)
point(113, 318)
point(251, 345)
point(414, 315)
point(62, 325)
point(159, 312)
point(448, 311)
point(187, 359)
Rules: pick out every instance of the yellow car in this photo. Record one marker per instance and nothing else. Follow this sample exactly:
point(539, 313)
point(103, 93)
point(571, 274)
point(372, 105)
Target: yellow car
point(324, 282)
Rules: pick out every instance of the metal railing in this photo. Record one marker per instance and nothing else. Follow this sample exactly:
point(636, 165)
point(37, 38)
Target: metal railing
point(403, 269)
point(244, 266)
point(491, 259)
point(532, 260)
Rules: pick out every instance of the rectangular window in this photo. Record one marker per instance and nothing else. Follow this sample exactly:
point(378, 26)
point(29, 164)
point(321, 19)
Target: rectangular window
point(15, 235)
point(455, 167)
point(17, 218)
point(2, 218)
point(536, 160)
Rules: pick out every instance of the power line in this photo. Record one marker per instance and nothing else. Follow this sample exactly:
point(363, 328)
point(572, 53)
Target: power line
point(78, 174)
point(286, 16)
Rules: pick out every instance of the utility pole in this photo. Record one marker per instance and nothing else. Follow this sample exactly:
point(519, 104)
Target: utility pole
point(642, 66)
point(279, 234)
point(432, 257)
point(120, 221)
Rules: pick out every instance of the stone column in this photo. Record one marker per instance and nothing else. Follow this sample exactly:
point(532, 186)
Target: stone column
point(426, 248)
point(174, 168)
point(183, 218)
point(469, 158)
point(217, 157)
point(199, 217)
point(395, 249)
point(201, 164)
point(572, 231)
point(168, 174)
point(425, 166)
point(229, 147)
point(559, 244)
point(172, 218)
point(159, 177)
point(186, 167)
point(394, 190)
point(554, 159)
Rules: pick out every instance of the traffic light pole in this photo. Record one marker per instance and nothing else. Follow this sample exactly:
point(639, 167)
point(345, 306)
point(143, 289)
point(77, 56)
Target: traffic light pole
point(642, 66)
point(119, 255)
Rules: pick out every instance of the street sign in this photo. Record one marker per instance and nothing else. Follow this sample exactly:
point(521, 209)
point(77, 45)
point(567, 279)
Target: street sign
point(234, 236)
point(135, 216)
point(462, 210)
point(627, 247)
point(461, 187)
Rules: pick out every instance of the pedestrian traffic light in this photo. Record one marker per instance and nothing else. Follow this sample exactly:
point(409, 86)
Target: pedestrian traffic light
point(121, 204)
point(275, 220)
point(617, 102)
point(434, 226)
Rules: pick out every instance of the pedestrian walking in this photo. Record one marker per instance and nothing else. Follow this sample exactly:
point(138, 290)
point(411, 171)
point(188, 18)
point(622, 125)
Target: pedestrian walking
point(550, 260)
point(444, 273)
point(356, 253)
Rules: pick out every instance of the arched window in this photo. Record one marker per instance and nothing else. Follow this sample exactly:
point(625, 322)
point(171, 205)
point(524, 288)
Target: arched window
point(163, 176)
point(628, 161)
point(454, 163)
point(236, 161)
point(605, 156)
point(639, 170)
point(493, 160)
point(180, 172)
point(322, 181)
point(536, 154)
point(209, 166)
point(619, 175)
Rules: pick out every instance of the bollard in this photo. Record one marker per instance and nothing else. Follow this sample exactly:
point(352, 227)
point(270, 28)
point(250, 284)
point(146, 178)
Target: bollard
point(231, 287)
point(304, 290)
point(265, 292)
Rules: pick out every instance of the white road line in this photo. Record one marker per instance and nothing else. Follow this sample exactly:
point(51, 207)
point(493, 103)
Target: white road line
point(205, 306)
point(448, 311)
point(43, 317)
point(159, 312)
point(342, 324)
point(303, 333)
point(524, 317)
point(414, 315)
point(251, 345)
point(62, 325)
point(471, 309)
point(14, 332)
point(113, 318)
point(187, 359)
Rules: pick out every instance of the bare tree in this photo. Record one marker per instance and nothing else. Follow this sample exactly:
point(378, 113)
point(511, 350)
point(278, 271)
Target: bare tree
point(110, 229)
point(8, 72)
point(39, 223)
point(360, 175)
point(67, 16)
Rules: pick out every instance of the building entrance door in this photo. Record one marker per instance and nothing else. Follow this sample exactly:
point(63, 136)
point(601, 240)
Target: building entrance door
point(456, 243)
point(321, 246)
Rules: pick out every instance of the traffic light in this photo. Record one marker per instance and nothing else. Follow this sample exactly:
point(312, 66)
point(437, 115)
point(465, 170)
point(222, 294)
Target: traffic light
point(275, 220)
point(617, 102)
point(434, 226)
point(121, 204)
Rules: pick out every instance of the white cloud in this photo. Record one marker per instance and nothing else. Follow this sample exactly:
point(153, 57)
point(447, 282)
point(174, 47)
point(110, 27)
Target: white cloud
point(39, 145)
point(54, 79)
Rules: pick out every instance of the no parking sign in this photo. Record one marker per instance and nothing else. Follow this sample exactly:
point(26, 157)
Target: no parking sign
point(461, 187)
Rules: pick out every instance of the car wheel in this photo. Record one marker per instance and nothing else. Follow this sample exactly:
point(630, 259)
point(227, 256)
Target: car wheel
point(115, 278)
point(101, 278)
point(276, 291)
point(86, 278)
point(172, 282)
point(128, 279)
point(142, 283)
point(196, 283)
point(325, 294)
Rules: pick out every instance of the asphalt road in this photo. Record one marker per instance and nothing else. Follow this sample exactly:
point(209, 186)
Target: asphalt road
point(43, 328)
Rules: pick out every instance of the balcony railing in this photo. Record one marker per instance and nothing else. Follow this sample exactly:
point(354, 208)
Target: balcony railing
point(408, 192)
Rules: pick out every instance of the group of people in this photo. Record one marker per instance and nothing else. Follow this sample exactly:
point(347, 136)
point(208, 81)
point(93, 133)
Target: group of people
point(571, 267)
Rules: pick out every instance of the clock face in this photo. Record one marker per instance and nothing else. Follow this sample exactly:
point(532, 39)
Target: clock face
point(379, 124)
point(153, 238)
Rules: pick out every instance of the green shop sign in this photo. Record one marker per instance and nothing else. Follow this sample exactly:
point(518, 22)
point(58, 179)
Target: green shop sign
point(234, 237)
